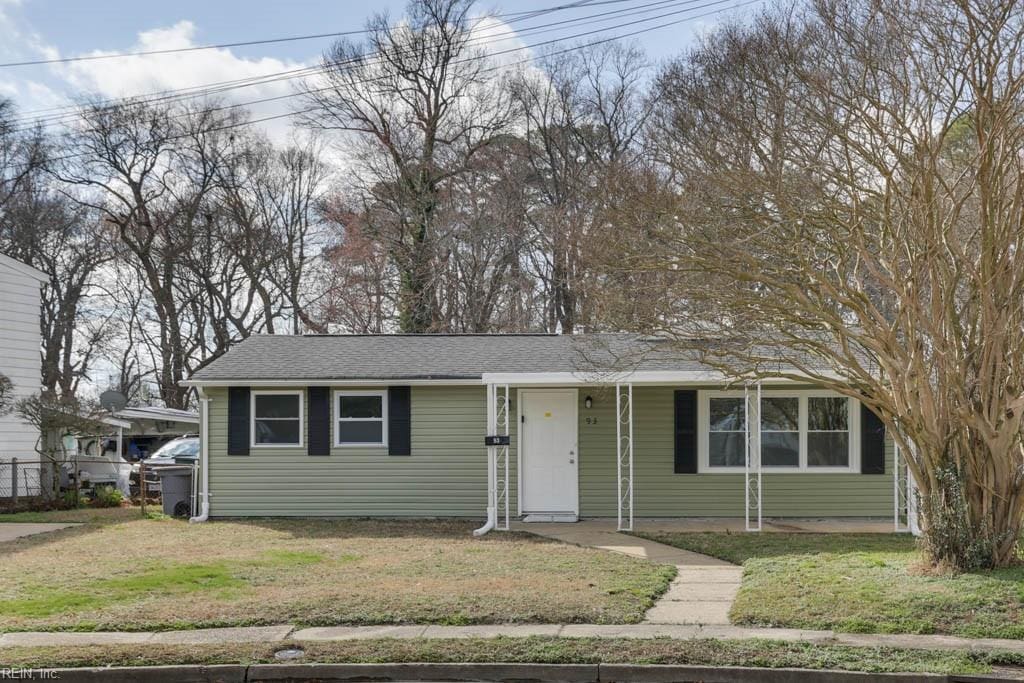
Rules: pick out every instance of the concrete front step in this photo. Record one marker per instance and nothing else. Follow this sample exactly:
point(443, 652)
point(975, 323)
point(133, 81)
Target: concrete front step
point(687, 574)
point(689, 612)
point(701, 591)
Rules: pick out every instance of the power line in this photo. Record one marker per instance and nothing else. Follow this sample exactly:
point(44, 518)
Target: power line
point(195, 48)
point(256, 79)
point(265, 41)
point(191, 92)
point(223, 86)
point(274, 117)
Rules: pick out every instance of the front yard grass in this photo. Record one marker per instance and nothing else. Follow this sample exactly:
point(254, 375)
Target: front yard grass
point(122, 572)
point(860, 583)
point(538, 650)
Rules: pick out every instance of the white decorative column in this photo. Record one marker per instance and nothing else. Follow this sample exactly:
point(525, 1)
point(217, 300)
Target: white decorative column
point(752, 469)
point(624, 454)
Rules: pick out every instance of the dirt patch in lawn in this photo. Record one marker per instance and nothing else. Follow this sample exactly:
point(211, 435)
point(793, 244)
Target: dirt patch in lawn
point(144, 574)
point(861, 583)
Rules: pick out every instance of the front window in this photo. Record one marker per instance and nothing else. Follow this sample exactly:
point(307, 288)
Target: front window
point(277, 418)
point(361, 418)
point(800, 431)
point(828, 431)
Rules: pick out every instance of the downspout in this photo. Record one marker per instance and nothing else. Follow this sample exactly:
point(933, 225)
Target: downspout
point(489, 524)
point(204, 457)
point(492, 508)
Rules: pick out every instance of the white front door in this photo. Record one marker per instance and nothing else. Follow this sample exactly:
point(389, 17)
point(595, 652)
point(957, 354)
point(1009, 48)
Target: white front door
point(550, 464)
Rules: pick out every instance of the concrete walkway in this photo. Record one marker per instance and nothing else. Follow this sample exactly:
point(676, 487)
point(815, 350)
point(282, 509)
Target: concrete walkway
point(702, 592)
point(10, 531)
point(273, 634)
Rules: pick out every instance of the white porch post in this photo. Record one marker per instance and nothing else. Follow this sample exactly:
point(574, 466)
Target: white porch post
point(501, 469)
point(497, 460)
point(752, 462)
point(912, 521)
point(624, 454)
point(900, 492)
point(492, 457)
point(904, 495)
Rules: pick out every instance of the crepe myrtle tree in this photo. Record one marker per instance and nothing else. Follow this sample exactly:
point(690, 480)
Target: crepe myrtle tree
point(849, 211)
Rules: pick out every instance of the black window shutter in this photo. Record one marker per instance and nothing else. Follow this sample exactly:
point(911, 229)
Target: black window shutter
point(238, 420)
point(872, 442)
point(686, 431)
point(319, 421)
point(399, 421)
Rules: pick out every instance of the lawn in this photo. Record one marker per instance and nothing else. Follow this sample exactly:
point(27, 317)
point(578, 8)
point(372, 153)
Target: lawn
point(861, 583)
point(122, 572)
point(540, 650)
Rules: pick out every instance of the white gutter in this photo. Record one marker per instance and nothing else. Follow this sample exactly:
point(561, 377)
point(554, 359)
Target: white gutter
point(470, 381)
point(709, 377)
point(204, 458)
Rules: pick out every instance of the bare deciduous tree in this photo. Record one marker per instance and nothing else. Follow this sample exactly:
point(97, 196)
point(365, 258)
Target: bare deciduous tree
point(68, 244)
point(419, 102)
point(851, 205)
point(149, 170)
point(583, 115)
point(360, 279)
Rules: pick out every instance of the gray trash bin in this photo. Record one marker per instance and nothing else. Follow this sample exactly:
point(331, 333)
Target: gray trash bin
point(176, 489)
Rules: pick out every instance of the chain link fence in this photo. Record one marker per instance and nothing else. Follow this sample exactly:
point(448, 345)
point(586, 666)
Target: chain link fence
point(28, 481)
point(39, 483)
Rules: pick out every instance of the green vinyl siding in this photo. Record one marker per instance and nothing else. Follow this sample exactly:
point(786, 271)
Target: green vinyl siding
point(658, 492)
point(446, 475)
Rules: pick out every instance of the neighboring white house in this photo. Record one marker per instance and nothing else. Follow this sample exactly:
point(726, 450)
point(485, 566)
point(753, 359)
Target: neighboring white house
point(20, 342)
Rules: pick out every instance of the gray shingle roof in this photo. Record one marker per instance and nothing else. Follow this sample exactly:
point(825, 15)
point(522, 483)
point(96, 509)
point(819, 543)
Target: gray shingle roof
point(435, 356)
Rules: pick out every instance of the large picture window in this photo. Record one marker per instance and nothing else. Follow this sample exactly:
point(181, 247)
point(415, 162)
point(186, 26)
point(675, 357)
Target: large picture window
point(276, 418)
point(361, 418)
point(801, 431)
point(780, 431)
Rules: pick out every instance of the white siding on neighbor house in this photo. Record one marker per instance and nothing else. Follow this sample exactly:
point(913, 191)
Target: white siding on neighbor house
point(19, 353)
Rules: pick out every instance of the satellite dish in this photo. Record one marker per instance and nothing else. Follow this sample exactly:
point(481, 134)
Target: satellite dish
point(113, 401)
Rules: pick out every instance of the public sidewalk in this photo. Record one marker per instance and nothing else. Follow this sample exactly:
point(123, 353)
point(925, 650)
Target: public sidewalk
point(12, 531)
point(271, 634)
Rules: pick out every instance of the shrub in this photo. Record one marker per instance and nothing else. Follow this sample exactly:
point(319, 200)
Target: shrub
point(69, 500)
point(106, 497)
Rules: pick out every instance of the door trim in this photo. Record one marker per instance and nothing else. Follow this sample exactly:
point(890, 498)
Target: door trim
point(519, 441)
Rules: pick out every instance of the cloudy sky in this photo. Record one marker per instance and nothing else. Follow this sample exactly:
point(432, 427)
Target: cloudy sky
point(49, 29)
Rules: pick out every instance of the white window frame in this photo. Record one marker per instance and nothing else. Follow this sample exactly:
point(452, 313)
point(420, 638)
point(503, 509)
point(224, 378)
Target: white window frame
point(704, 427)
point(336, 418)
point(277, 392)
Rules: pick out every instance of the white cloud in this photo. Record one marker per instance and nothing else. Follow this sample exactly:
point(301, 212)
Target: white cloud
point(141, 75)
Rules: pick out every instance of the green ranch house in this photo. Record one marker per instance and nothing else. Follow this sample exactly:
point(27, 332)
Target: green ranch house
point(530, 427)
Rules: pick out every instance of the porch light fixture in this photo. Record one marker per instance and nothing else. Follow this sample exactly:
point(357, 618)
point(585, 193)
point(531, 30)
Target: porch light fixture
point(588, 402)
